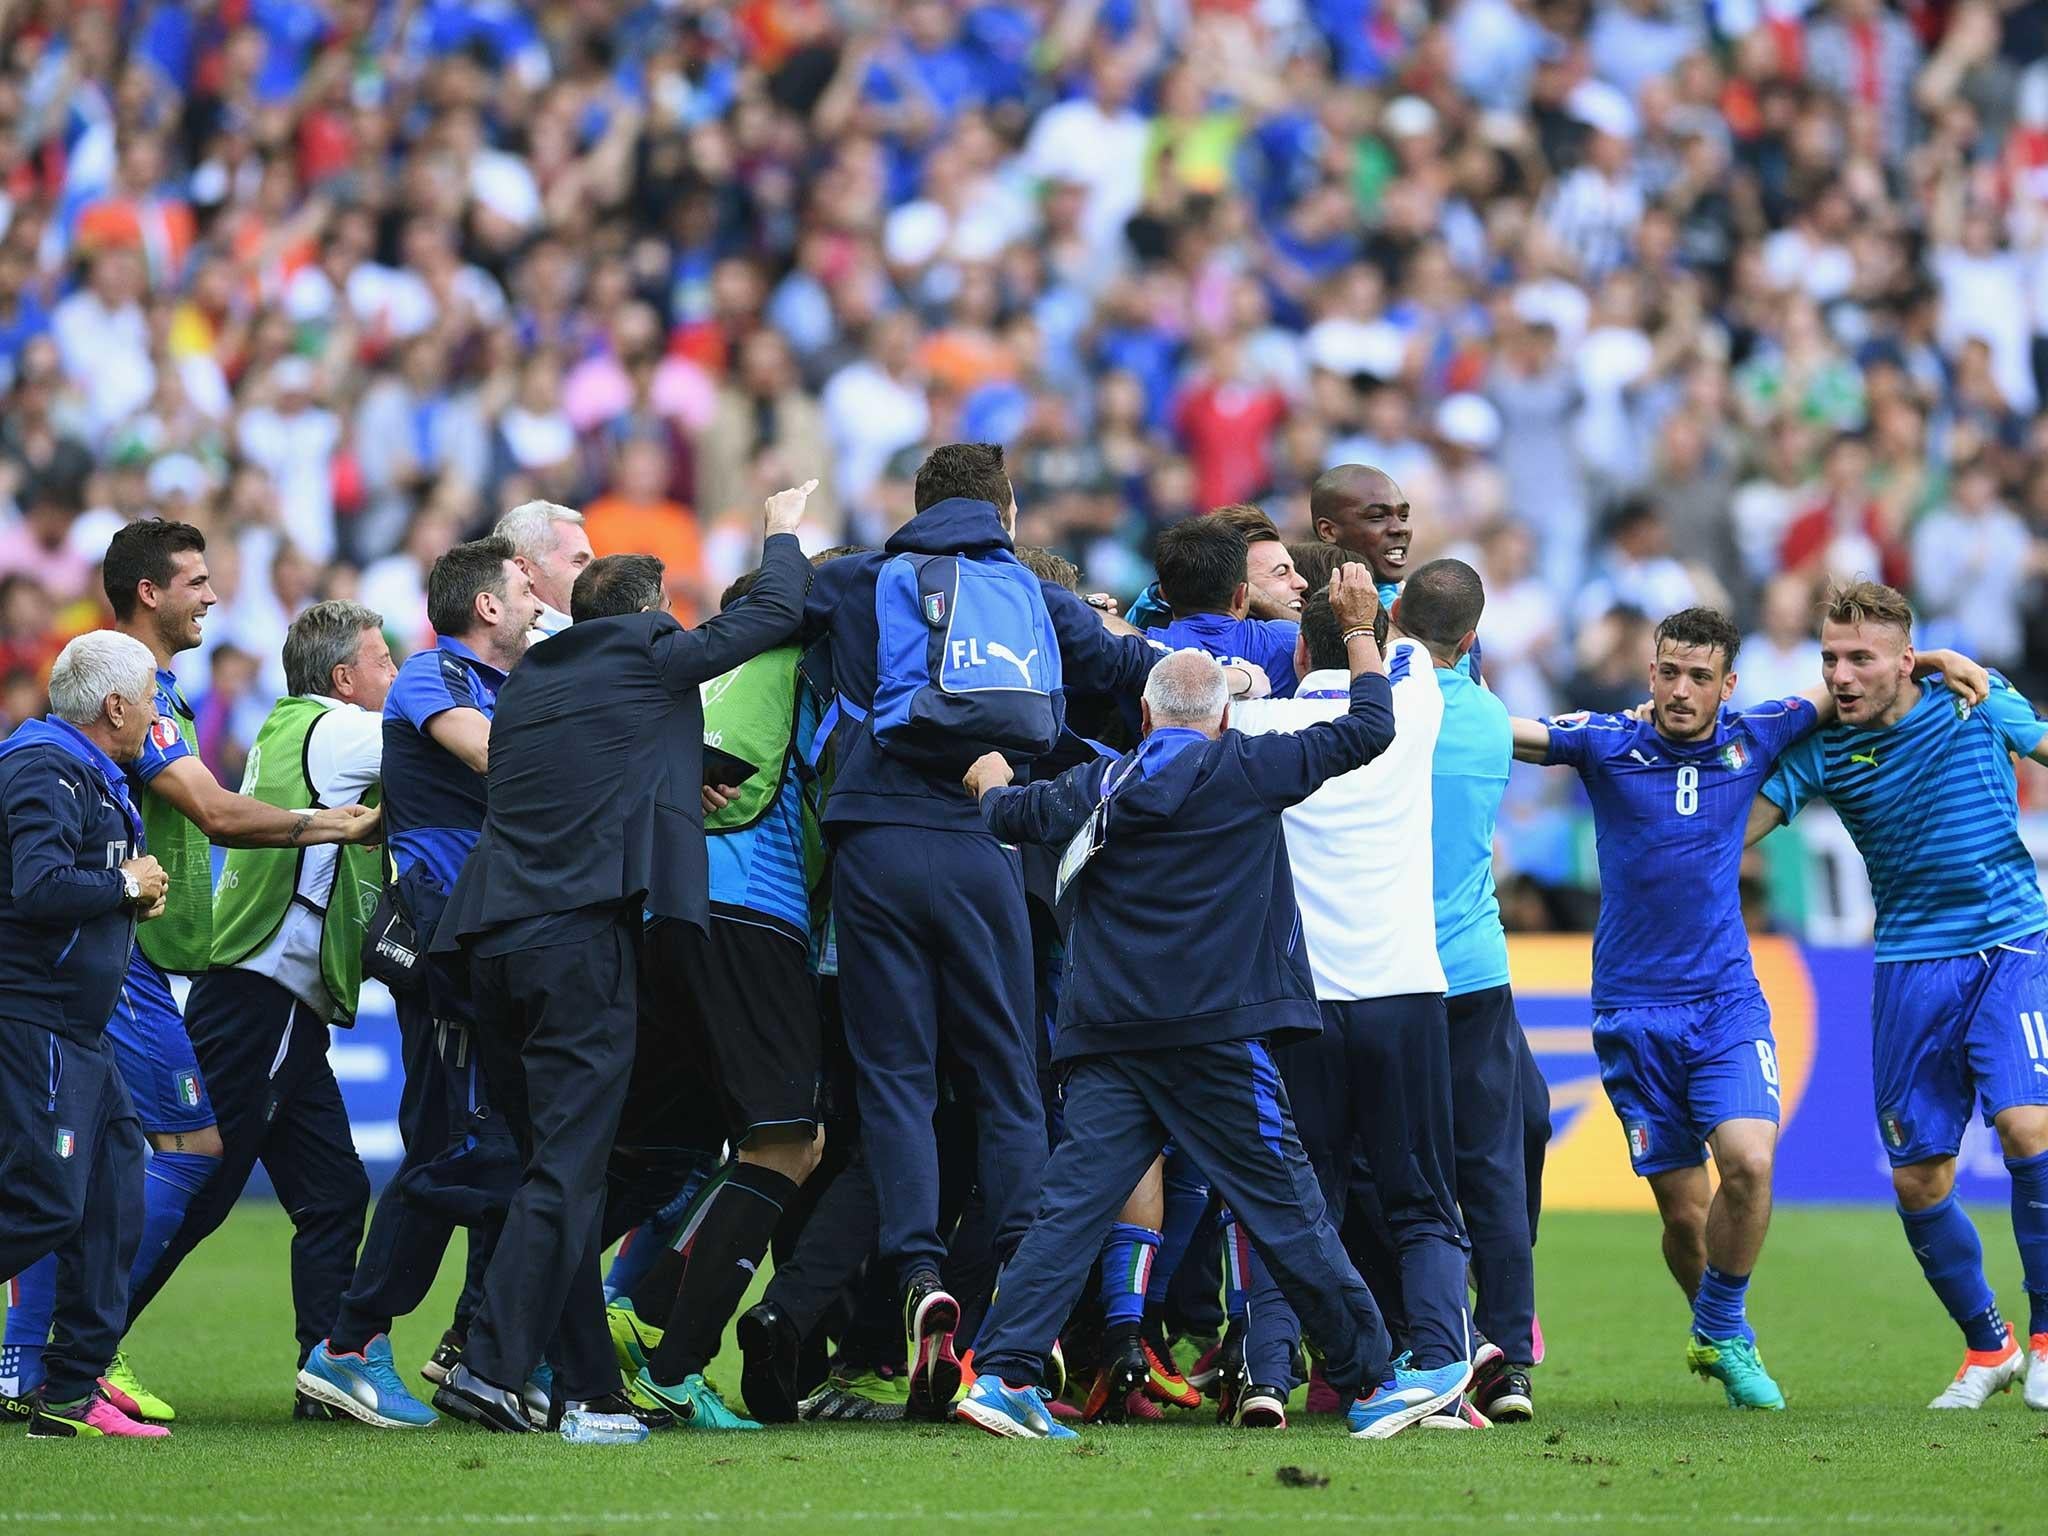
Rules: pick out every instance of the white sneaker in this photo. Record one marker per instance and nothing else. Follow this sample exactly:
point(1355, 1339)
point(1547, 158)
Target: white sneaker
point(2037, 1371)
point(1984, 1374)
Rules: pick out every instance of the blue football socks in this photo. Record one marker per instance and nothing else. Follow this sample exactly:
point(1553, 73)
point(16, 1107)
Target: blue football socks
point(1718, 1310)
point(32, 1299)
point(2030, 1231)
point(1945, 1242)
point(168, 1185)
point(1127, 1255)
point(1187, 1197)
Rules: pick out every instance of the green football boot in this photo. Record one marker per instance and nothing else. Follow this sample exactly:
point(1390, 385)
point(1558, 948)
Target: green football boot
point(1735, 1364)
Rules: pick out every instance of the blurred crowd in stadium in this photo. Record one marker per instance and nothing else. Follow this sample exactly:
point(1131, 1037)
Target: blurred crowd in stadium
point(1643, 302)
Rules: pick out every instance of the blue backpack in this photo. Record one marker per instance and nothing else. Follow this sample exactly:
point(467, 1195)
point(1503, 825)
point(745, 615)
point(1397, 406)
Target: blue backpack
point(968, 661)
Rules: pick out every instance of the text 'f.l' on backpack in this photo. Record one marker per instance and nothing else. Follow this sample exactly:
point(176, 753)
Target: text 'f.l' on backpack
point(968, 661)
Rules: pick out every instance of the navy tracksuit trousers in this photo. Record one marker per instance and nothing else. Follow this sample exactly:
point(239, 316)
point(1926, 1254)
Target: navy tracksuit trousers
point(460, 1168)
point(71, 1159)
point(264, 1056)
point(1535, 1128)
point(1374, 1089)
point(1487, 1047)
point(1226, 1107)
point(935, 954)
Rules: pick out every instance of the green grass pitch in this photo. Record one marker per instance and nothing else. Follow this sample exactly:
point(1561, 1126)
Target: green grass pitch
point(1624, 1439)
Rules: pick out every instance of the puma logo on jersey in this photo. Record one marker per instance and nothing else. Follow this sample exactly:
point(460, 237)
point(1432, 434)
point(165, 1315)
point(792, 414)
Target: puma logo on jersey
point(1868, 759)
point(1637, 754)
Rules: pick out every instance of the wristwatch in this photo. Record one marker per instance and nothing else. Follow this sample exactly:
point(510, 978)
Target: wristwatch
point(131, 887)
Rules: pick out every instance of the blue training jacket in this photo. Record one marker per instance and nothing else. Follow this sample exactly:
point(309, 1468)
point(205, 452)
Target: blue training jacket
point(871, 786)
point(66, 826)
point(1194, 851)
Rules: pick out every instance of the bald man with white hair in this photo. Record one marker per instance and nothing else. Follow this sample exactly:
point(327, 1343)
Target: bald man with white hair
point(1185, 963)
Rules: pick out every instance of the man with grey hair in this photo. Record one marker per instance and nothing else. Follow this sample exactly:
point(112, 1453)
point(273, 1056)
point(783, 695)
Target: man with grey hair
point(1162, 1038)
point(550, 546)
point(286, 963)
point(1186, 689)
point(74, 882)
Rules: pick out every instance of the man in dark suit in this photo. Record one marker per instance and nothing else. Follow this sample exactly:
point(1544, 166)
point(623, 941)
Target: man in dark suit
point(595, 813)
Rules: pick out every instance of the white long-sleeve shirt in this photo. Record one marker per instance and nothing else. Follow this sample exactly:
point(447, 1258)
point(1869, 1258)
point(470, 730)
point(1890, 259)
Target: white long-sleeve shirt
point(1359, 847)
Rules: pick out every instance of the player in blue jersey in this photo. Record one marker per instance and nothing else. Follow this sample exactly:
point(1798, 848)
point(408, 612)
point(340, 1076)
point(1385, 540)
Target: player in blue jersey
point(1960, 1014)
point(1680, 1026)
point(1204, 573)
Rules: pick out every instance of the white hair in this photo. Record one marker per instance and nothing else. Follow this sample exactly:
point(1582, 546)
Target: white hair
point(95, 665)
point(1187, 688)
point(531, 527)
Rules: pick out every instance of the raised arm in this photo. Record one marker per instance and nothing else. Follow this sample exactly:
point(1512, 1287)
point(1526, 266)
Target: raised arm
point(1288, 767)
point(766, 616)
point(1964, 678)
point(1532, 741)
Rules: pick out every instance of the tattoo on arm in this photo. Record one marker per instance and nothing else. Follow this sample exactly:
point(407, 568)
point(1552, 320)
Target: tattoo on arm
point(300, 823)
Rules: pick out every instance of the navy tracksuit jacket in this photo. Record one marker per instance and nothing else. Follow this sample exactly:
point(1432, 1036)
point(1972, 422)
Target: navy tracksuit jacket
point(1160, 1036)
point(934, 939)
point(71, 1154)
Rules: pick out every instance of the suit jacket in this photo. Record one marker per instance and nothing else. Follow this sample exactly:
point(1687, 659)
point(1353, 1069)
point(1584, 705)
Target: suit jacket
point(597, 751)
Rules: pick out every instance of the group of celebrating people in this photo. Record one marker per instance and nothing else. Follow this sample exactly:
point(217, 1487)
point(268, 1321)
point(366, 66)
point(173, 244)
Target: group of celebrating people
point(956, 937)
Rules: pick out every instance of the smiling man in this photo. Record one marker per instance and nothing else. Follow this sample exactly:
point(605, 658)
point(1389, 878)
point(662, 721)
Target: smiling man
point(158, 585)
point(1927, 790)
point(1361, 510)
point(1680, 1026)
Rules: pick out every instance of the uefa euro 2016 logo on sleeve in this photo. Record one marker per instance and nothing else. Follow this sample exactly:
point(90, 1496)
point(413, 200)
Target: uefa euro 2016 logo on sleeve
point(67, 1143)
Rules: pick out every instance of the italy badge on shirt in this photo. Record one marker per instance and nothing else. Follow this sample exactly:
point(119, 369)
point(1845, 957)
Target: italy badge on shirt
point(188, 1089)
point(67, 1143)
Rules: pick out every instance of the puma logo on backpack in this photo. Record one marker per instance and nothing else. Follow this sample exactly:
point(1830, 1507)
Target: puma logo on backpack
point(967, 662)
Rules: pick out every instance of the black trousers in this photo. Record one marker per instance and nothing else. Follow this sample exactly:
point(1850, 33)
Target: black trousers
point(71, 1160)
point(1487, 1121)
point(556, 1037)
point(460, 1168)
point(1373, 1092)
point(264, 1056)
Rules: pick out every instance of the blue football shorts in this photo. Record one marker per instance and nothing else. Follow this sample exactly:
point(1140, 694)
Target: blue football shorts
point(1675, 1071)
point(1956, 1033)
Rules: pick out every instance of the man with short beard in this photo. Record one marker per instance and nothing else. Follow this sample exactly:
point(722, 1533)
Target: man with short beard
point(1926, 788)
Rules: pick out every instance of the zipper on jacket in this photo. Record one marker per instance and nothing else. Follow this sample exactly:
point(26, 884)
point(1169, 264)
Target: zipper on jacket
point(56, 1072)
